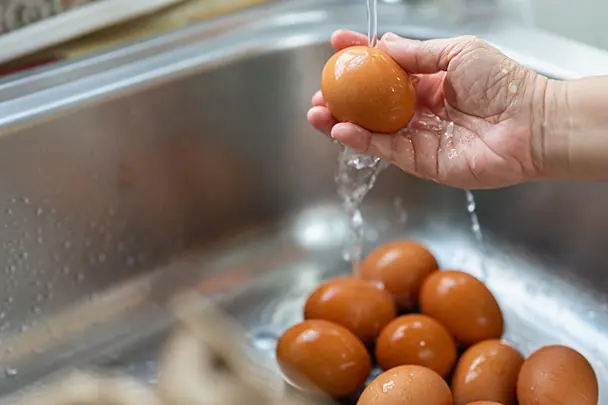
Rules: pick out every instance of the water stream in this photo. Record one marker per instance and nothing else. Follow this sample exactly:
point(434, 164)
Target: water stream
point(357, 173)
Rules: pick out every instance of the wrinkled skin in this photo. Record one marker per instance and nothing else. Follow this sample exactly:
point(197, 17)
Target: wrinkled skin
point(495, 104)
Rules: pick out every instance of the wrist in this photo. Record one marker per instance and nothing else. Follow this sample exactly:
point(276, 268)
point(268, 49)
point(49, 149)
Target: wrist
point(550, 127)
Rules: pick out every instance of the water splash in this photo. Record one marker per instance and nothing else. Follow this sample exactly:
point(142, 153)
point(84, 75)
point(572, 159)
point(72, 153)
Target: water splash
point(355, 177)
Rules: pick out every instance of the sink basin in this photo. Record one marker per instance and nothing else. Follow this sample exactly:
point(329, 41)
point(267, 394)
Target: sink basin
point(187, 161)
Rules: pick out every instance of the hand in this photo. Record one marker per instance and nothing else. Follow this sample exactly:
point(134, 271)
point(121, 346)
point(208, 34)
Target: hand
point(477, 119)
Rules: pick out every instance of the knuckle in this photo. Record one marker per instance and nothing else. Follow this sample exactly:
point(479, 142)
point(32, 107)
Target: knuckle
point(472, 42)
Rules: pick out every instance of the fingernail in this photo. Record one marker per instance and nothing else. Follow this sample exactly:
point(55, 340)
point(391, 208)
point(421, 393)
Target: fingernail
point(389, 36)
point(336, 130)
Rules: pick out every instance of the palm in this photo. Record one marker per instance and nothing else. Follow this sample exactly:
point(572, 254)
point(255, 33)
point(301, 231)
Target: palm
point(461, 144)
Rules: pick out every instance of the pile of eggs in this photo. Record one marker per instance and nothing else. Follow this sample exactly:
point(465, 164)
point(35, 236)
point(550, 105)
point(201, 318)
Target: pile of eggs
point(435, 334)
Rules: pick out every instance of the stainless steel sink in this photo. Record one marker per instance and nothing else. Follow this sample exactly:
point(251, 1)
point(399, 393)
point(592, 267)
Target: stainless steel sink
point(186, 160)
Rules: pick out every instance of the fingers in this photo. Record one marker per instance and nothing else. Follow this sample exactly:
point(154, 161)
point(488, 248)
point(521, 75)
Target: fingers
point(415, 154)
point(414, 56)
point(320, 118)
point(318, 100)
point(397, 149)
point(430, 56)
point(344, 38)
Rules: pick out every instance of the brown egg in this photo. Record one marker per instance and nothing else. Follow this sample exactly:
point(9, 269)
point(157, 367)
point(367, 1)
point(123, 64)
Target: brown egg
point(484, 403)
point(366, 86)
point(360, 306)
point(402, 267)
point(463, 304)
point(416, 340)
point(487, 371)
point(557, 375)
point(407, 385)
point(320, 355)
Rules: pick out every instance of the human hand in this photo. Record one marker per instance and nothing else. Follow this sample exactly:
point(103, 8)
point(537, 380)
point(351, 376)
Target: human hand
point(478, 119)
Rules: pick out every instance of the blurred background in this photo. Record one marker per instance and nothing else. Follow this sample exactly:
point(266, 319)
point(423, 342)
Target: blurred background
point(34, 32)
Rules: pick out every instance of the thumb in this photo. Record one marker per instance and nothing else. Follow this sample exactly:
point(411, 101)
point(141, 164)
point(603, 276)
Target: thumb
point(430, 56)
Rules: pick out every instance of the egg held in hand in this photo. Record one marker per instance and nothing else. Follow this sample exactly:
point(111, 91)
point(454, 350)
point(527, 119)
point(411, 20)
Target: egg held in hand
point(362, 307)
point(367, 87)
point(317, 355)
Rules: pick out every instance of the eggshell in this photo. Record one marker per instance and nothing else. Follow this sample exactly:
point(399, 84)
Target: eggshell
point(407, 385)
point(360, 306)
point(487, 371)
point(366, 86)
point(320, 355)
point(483, 403)
point(463, 304)
point(416, 340)
point(401, 266)
point(557, 375)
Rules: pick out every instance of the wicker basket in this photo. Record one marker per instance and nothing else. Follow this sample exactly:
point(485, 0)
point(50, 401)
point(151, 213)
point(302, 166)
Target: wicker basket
point(28, 26)
point(17, 14)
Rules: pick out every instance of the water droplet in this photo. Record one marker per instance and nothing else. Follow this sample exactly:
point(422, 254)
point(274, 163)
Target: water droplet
point(79, 277)
point(24, 255)
point(400, 209)
point(67, 244)
point(130, 261)
point(39, 211)
point(264, 340)
point(9, 211)
point(10, 300)
point(66, 270)
point(25, 200)
point(11, 372)
point(101, 258)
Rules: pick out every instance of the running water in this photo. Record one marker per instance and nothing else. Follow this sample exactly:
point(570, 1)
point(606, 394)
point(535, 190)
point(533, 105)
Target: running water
point(372, 22)
point(357, 173)
point(476, 228)
point(355, 177)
